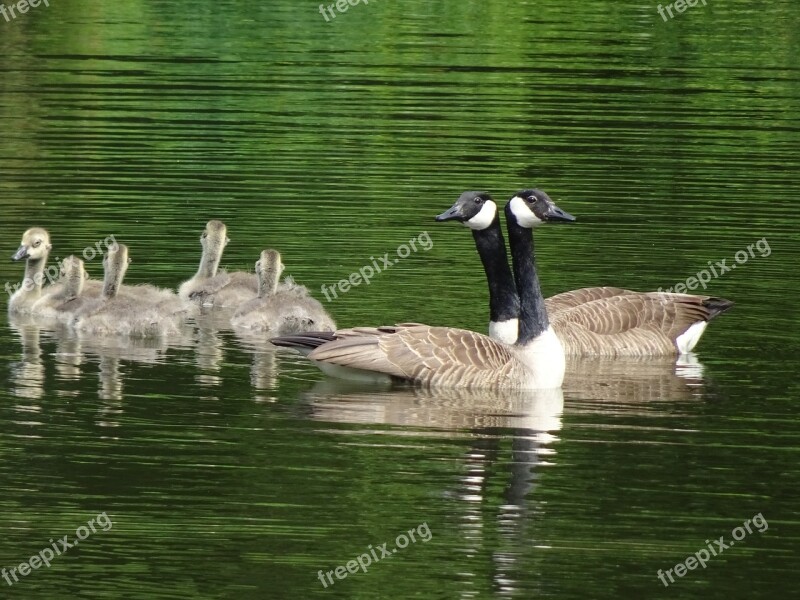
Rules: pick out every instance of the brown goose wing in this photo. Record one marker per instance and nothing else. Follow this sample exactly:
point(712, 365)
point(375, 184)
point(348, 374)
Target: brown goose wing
point(631, 324)
point(427, 355)
point(574, 298)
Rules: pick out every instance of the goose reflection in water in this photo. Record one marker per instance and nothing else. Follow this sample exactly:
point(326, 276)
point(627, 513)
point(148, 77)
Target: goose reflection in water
point(534, 419)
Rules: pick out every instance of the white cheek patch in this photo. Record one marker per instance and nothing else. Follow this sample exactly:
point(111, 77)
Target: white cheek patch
point(484, 218)
point(524, 215)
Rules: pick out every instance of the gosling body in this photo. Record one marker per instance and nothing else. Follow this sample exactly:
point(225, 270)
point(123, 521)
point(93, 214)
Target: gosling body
point(280, 308)
point(114, 313)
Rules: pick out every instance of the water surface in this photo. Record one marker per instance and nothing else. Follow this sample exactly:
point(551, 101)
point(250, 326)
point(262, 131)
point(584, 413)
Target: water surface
point(232, 470)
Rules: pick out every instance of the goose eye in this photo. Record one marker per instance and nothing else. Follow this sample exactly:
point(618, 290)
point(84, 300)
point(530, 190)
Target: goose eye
point(37, 243)
point(478, 200)
point(204, 235)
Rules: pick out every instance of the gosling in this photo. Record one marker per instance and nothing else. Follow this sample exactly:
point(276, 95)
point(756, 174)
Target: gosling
point(35, 248)
point(281, 310)
point(67, 298)
point(214, 287)
point(120, 314)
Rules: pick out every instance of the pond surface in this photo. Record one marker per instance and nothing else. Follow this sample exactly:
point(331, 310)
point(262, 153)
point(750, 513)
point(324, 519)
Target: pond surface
point(218, 467)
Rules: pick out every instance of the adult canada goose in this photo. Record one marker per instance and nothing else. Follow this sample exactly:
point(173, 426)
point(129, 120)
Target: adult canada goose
point(600, 321)
point(478, 211)
point(118, 314)
point(281, 310)
point(67, 298)
point(214, 287)
point(448, 357)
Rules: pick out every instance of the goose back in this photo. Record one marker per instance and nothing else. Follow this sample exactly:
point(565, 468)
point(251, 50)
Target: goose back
point(636, 324)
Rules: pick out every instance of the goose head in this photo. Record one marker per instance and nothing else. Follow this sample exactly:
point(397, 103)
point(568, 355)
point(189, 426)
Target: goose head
point(35, 245)
point(115, 264)
point(529, 208)
point(475, 210)
point(269, 268)
point(73, 274)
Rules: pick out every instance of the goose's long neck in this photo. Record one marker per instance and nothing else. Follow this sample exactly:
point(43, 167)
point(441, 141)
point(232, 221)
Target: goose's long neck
point(268, 283)
point(503, 300)
point(112, 280)
point(34, 276)
point(73, 285)
point(533, 315)
point(209, 262)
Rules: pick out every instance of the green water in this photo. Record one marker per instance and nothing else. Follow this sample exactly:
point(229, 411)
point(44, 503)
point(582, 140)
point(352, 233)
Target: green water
point(230, 470)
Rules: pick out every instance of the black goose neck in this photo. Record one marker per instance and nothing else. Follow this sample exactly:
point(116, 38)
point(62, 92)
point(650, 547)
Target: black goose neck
point(533, 315)
point(503, 299)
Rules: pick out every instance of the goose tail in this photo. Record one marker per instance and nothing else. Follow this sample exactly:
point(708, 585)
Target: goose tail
point(304, 342)
point(717, 306)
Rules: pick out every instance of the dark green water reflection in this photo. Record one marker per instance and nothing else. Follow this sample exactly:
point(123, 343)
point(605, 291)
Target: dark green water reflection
point(231, 470)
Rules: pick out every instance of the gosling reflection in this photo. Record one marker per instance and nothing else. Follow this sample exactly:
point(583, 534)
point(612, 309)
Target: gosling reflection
point(27, 374)
point(75, 351)
point(264, 369)
point(210, 347)
point(69, 359)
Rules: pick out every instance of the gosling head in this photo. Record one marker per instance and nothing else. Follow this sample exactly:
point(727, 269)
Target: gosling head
point(215, 235)
point(269, 268)
point(529, 208)
point(73, 274)
point(475, 210)
point(115, 264)
point(35, 245)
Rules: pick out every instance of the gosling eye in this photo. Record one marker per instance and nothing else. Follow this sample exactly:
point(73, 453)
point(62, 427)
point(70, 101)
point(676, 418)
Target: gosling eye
point(204, 236)
point(37, 243)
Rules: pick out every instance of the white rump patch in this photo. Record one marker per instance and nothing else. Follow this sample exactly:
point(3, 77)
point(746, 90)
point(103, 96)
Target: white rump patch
point(525, 216)
point(504, 331)
point(484, 218)
point(689, 338)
